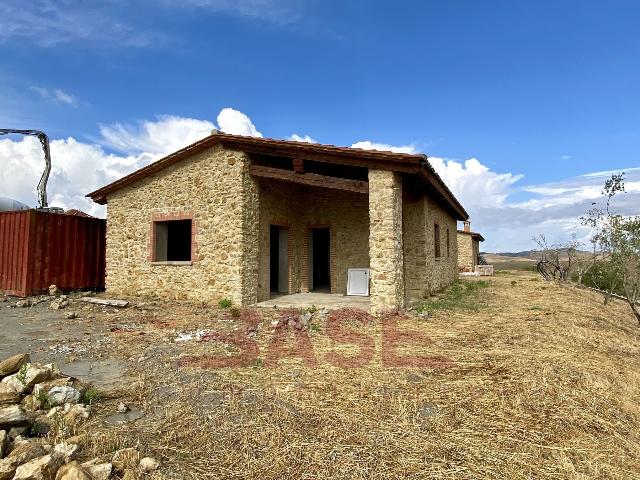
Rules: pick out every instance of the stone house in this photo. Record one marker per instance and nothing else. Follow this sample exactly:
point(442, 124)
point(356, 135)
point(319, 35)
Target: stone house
point(246, 218)
point(468, 248)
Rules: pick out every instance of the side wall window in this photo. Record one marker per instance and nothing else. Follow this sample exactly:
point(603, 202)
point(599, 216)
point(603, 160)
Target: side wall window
point(172, 241)
point(448, 244)
point(436, 239)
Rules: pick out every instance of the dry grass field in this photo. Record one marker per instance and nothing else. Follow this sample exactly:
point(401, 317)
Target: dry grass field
point(520, 379)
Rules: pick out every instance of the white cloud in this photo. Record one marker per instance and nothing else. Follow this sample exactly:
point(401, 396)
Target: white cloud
point(164, 135)
point(237, 123)
point(507, 213)
point(79, 168)
point(472, 181)
point(56, 95)
point(305, 139)
point(553, 208)
point(368, 145)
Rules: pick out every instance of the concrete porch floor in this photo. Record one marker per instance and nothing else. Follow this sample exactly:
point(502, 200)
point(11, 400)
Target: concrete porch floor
point(320, 300)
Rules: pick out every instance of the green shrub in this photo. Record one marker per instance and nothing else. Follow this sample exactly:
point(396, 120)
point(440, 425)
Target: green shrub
point(603, 277)
point(225, 303)
point(91, 395)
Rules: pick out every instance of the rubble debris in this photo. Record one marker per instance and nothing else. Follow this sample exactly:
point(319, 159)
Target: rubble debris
point(29, 375)
point(11, 416)
point(54, 291)
point(13, 364)
point(196, 335)
point(27, 453)
point(70, 315)
point(60, 303)
point(103, 301)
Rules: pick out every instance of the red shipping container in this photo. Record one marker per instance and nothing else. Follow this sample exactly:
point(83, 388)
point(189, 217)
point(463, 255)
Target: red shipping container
point(38, 249)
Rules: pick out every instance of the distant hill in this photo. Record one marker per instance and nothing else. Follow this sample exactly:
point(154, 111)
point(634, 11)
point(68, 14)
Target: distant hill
point(524, 260)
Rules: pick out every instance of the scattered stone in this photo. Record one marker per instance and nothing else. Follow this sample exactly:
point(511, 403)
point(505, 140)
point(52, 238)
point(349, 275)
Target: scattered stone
point(76, 414)
point(4, 441)
point(42, 468)
point(148, 464)
point(13, 364)
point(101, 471)
point(31, 403)
point(23, 303)
point(12, 415)
point(7, 468)
point(23, 381)
point(67, 451)
point(73, 471)
point(54, 411)
point(26, 451)
point(122, 408)
point(8, 396)
point(70, 315)
point(127, 458)
point(59, 304)
point(45, 387)
point(63, 394)
point(54, 291)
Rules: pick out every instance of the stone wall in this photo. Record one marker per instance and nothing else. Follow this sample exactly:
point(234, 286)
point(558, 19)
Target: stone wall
point(215, 189)
point(385, 240)
point(424, 274)
point(467, 252)
point(299, 208)
point(443, 271)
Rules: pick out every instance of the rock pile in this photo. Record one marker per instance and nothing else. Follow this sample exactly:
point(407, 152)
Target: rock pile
point(34, 398)
point(294, 319)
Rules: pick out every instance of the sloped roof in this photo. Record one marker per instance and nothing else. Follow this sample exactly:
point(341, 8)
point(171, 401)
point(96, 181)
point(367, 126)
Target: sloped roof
point(417, 164)
point(475, 235)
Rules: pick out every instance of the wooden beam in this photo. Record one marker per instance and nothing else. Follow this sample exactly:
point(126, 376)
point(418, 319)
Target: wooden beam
point(311, 179)
point(327, 157)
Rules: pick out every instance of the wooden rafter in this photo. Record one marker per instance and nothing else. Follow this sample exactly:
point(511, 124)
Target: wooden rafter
point(311, 179)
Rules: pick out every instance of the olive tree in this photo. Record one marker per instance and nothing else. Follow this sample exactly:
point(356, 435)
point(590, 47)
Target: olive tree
point(617, 238)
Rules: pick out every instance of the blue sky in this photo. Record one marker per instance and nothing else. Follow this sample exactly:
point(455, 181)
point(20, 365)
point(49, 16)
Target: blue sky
point(540, 92)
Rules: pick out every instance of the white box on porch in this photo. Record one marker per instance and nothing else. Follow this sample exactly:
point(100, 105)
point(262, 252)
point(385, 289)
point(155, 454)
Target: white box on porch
point(358, 282)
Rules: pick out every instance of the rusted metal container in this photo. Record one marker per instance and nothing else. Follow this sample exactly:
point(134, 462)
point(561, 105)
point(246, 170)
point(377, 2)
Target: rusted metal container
point(38, 249)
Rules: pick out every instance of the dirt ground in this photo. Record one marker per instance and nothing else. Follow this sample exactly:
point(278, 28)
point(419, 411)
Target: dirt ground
point(525, 380)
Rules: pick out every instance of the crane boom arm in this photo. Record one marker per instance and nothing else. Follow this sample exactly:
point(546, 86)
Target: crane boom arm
point(44, 141)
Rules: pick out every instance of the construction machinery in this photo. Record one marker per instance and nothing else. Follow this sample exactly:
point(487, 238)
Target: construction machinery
point(44, 141)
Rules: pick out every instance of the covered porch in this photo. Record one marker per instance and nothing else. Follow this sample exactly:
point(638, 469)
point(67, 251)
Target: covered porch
point(316, 299)
point(318, 220)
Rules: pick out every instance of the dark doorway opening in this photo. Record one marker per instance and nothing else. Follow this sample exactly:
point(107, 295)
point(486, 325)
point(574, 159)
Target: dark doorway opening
point(320, 261)
point(278, 259)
